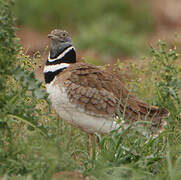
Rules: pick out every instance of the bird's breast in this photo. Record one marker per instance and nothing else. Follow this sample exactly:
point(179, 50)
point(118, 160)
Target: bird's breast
point(76, 115)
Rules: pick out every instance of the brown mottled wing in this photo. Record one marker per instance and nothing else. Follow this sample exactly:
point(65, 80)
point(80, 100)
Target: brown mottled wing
point(100, 93)
point(90, 89)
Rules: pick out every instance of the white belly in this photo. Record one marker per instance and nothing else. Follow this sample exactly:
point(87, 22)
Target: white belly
point(77, 116)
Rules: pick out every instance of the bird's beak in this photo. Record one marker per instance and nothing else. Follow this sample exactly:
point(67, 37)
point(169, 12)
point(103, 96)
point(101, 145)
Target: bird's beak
point(51, 36)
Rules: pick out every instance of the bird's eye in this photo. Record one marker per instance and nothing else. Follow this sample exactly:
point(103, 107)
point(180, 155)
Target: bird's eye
point(63, 34)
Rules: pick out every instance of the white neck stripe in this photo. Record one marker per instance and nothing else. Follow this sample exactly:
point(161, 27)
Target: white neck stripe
point(53, 68)
point(61, 55)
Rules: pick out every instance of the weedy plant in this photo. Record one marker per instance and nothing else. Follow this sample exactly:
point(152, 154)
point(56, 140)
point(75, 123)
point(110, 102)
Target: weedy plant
point(166, 76)
point(19, 93)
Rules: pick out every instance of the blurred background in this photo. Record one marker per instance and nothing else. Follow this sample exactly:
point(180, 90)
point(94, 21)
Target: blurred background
point(106, 30)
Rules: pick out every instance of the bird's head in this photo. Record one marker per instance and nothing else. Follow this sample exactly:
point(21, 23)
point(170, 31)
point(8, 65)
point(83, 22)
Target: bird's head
point(60, 38)
point(60, 41)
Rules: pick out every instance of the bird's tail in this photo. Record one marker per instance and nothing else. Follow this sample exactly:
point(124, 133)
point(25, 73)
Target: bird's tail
point(137, 110)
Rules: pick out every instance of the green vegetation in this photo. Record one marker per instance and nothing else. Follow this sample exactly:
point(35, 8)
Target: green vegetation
point(36, 144)
point(109, 27)
point(19, 94)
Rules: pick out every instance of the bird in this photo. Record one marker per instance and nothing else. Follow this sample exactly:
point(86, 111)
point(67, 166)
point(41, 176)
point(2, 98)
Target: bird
point(89, 97)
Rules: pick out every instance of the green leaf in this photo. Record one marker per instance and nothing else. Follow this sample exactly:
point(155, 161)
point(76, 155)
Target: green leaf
point(40, 94)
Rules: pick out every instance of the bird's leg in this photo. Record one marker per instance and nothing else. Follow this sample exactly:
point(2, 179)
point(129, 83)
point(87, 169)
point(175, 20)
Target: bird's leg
point(88, 144)
point(92, 150)
point(99, 145)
